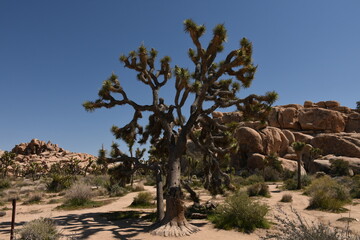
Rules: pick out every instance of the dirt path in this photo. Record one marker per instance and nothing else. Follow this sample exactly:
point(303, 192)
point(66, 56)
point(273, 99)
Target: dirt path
point(89, 224)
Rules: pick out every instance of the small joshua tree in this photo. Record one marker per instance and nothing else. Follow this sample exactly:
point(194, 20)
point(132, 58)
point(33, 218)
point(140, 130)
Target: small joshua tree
point(298, 148)
point(212, 86)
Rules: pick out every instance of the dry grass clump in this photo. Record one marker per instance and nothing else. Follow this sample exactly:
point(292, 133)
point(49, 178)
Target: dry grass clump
point(286, 198)
point(79, 194)
point(34, 198)
point(297, 228)
point(258, 189)
point(143, 199)
point(240, 212)
point(39, 229)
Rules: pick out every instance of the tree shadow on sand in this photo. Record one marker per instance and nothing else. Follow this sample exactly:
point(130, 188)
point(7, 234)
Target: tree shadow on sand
point(83, 226)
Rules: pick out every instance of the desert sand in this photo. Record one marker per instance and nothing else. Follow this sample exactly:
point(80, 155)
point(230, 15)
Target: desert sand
point(90, 224)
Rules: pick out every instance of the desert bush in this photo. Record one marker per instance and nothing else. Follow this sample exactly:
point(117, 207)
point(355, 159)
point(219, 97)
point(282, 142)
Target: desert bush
point(271, 174)
point(4, 183)
point(355, 187)
point(34, 198)
point(252, 179)
point(150, 180)
point(258, 189)
point(79, 194)
point(339, 167)
point(291, 184)
point(286, 198)
point(327, 194)
point(101, 180)
point(138, 187)
point(297, 228)
point(241, 213)
point(60, 182)
point(143, 199)
point(39, 229)
point(115, 190)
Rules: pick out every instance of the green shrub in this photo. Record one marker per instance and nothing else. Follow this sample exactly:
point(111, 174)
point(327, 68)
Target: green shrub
point(60, 182)
point(39, 229)
point(241, 213)
point(4, 183)
point(327, 194)
point(143, 199)
point(258, 189)
point(339, 167)
point(97, 180)
point(286, 198)
point(79, 194)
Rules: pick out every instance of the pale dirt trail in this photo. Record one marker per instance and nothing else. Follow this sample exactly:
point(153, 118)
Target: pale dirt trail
point(89, 224)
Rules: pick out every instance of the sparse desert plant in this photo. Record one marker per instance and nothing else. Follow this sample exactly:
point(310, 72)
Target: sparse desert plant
point(355, 187)
point(297, 228)
point(4, 183)
point(39, 229)
point(339, 167)
point(327, 194)
point(115, 190)
point(6, 160)
point(79, 194)
point(271, 174)
point(292, 184)
point(286, 198)
point(143, 199)
point(240, 212)
point(34, 198)
point(258, 189)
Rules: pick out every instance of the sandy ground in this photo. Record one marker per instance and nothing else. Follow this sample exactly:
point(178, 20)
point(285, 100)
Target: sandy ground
point(89, 224)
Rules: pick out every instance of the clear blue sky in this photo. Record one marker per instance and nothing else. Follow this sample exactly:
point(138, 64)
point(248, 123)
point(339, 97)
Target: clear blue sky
point(55, 54)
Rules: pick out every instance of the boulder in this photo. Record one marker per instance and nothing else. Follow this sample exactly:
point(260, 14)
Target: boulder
point(341, 144)
point(332, 104)
point(309, 104)
point(354, 163)
point(302, 137)
point(321, 120)
point(289, 135)
point(274, 141)
point(249, 141)
point(255, 161)
point(291, 165)
point(288, 118)
point(353, 123)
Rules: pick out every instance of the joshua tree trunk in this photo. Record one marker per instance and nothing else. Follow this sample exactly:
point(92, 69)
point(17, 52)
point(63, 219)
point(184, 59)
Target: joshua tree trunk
point(299, 171)
point(174, 224)
point(159, 194)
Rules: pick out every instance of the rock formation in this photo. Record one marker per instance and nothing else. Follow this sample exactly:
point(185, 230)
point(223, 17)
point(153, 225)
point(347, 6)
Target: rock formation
point(46, 153)
point(326, 125)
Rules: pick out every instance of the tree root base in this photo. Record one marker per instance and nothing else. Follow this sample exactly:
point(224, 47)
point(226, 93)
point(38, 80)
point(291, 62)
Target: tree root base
point(174, 229)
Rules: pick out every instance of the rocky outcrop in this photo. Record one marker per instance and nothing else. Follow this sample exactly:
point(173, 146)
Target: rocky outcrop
point(327, 116)
point(46, 153)
point(341, 144)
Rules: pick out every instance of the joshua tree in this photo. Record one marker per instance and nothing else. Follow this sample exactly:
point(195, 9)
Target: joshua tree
point(6, 160)
point(168, 129)
point(358, 105)
point(298, 148)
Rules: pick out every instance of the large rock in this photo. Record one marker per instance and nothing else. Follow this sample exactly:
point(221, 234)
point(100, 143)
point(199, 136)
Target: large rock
point(302, 137)
point(249, 140)
point(321, 120)
point(256, 161)
point(353, 123)
point(291, 165)
point(342, 144)
point(274, 141)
